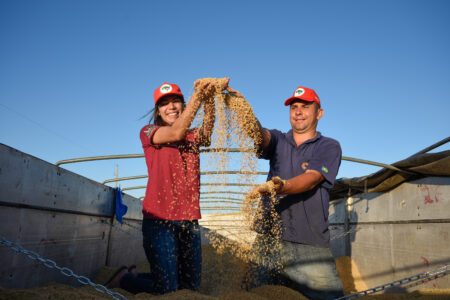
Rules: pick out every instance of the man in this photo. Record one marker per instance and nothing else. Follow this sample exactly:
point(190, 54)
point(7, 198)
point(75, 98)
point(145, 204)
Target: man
point(303, 168)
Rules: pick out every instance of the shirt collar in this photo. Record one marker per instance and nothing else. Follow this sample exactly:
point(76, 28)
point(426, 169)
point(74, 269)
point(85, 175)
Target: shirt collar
point(290, 138)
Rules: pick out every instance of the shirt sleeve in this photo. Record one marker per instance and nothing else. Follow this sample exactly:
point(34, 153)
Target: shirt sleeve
point(326, 160)
point(269, 151)
point(146, 135)
point(193, 136)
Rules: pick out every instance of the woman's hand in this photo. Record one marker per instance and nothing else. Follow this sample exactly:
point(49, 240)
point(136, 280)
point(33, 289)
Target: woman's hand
point(208, 87)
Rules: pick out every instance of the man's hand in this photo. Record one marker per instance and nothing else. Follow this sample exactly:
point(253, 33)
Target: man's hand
point(275, 185)
point(278, 184)
point(264, 189)
point(234, 92)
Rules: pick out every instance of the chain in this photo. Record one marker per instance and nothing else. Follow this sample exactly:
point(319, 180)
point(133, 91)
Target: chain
point(440, 272)
point(65, 271)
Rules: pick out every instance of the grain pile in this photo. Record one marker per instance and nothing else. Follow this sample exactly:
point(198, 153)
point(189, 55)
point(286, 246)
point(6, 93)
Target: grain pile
point(349, 273)
point(237, 127)
point(214, 286)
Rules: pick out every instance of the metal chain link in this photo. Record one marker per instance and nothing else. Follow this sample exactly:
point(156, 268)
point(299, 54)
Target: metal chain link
point(440, 272)
point(65, 271)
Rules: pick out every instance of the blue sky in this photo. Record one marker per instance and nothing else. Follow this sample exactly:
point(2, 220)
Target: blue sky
point(76, 76)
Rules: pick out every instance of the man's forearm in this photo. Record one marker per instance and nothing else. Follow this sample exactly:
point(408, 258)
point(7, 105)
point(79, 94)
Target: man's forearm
point(302, 183)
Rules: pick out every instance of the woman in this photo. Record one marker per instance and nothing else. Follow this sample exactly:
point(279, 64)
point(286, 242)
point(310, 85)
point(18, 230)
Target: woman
point(171, 233)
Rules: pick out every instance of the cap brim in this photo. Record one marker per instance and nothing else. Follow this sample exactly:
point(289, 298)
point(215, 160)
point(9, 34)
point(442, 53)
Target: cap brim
point(292, 99)
point(170, 94)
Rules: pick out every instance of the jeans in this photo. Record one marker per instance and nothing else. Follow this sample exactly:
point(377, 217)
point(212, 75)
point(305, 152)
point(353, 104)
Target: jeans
point(173, 249)
point(308, 269)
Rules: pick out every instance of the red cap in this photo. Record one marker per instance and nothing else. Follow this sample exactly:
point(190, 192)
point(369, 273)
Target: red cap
point(166, 89)
point(305, 94)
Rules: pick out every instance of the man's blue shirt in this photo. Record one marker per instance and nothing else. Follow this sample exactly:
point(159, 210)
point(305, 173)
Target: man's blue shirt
point(304, 216)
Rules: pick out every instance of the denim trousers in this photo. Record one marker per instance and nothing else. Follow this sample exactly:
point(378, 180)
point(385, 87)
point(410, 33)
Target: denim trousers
point(173, 249)
point(311, 270)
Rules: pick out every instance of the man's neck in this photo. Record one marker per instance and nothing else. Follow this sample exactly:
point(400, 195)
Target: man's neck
point(300, 138)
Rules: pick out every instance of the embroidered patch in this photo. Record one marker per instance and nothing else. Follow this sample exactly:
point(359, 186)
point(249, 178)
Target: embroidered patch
point(325, 169)
point(149, 130)
point(165, 88)
point(298, 92)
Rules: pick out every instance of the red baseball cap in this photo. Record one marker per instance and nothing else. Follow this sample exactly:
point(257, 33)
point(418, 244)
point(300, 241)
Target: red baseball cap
point(305, 94)
point(166, 89)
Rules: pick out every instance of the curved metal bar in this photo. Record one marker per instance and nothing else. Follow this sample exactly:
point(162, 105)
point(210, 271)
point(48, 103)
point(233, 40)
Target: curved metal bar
point(230, 200)
point(227, 226)
point(140, 155)
point(224, 192)
point(373, 163)
point(429, 148)
point(125, 178)
point(227, 184)
point(233, 208)
point(239, 213)
point(203, 184)
point(221, 201)
point(201, 173)
point(134, 188)
point(92, 158)
point(203, 221)
point(232, 150)
point(232, 173)
point(235, 150)
point(223, 198)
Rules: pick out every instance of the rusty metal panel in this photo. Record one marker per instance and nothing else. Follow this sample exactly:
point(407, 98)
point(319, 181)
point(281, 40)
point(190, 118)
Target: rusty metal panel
point(26, 180)
point(403, 232)
point(423, 199)
point(387, 252)
point(59, 215)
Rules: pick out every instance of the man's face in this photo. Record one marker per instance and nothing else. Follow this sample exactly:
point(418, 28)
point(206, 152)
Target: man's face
point(304, 116)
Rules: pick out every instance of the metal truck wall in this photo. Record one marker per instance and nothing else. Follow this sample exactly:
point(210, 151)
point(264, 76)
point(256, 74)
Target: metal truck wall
point(399, 233)
point(61, 216)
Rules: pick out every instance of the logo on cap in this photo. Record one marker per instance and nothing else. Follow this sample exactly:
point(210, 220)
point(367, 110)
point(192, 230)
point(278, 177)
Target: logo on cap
point(165, 88)
point(298, 92)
